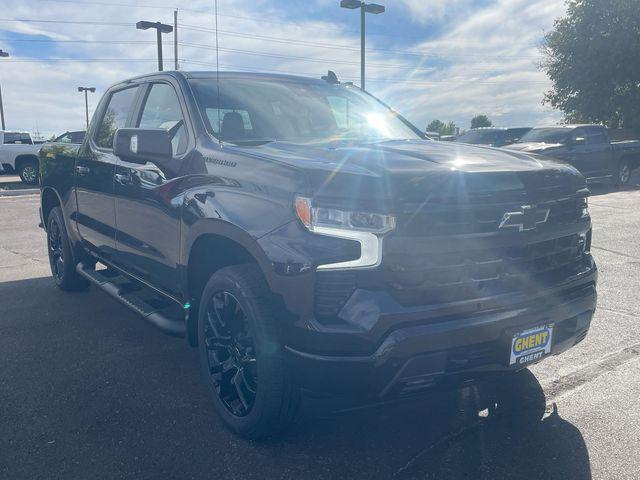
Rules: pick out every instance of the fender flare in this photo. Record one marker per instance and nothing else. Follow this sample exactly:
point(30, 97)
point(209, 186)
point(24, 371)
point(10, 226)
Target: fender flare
point(222, 228)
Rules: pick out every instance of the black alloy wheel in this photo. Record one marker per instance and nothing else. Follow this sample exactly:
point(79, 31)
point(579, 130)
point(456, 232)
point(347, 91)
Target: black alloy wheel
point(231, 354)
point(56, 251)
point(63, 265)
point(241, 353)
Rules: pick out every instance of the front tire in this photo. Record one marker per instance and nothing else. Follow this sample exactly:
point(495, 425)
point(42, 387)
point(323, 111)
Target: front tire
point(29, 172)
point(241, 355)
point(63, 267)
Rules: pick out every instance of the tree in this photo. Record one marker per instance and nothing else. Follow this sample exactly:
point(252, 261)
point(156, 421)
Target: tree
point(481, 121)
point(435, 126)
point(592, 56)
point(442, 128)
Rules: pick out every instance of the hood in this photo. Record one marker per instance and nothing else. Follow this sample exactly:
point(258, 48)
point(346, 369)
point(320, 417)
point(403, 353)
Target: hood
point(533, 146)
point(415, 169)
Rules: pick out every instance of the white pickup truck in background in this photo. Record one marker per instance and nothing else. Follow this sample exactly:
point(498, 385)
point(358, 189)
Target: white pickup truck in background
point(19, 154)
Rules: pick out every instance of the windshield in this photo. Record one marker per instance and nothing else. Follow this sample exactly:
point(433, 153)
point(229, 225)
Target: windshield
point(546, 135)
point(481, 137)
point(254, 111)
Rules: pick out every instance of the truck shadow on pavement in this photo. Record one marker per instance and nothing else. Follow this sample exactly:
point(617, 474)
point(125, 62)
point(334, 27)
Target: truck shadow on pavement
point(452, 435)
point(89, 390)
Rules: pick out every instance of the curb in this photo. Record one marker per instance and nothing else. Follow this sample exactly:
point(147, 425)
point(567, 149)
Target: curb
point(17, 193)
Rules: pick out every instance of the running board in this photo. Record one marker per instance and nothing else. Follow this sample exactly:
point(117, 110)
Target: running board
point(130, 295)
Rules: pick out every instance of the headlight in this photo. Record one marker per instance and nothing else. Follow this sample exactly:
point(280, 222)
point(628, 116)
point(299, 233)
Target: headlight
point(363, 227)
point(584, 208)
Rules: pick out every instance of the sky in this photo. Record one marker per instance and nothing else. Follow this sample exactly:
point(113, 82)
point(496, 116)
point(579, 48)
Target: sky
point(429, 59)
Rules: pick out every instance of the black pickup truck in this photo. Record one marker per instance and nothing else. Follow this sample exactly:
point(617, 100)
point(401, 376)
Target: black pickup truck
point(312, 243)
point(586, 147)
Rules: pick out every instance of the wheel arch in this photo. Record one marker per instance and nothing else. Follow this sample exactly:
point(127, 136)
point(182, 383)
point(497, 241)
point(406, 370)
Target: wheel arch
point(23, 158)
point(212, 245)
point(49, 199)
point(633, 159)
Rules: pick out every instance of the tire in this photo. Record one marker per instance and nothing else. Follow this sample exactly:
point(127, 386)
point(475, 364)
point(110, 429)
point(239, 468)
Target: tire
point(29, 173)
point(241, 356)
point(63, 267)
point(623, 174)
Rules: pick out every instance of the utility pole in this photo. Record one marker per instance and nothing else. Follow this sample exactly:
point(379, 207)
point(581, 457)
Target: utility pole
point(160, 29)
point(364, 9)
point(86, 101)
point(3, 54)
point(175, 39)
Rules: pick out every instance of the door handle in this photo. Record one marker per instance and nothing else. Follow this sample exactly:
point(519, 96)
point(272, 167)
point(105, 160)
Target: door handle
point(123, 178)
point(82, 170)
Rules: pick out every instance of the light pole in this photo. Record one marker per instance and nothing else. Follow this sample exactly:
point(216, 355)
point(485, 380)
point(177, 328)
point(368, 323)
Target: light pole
point(86, 101)
point(3, 54)
point(364, 9)
point(160, 29)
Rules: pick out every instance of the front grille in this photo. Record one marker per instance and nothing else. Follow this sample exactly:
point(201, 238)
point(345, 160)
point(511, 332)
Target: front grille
point(435, 219)
point(427, 278)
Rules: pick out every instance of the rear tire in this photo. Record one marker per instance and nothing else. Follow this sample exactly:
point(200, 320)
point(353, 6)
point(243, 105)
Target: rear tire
point(63, 267)
point(29, 173)
point(241, 356)
point(623, 174)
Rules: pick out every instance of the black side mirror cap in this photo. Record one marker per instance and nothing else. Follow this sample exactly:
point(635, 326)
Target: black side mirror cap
point(139, 145)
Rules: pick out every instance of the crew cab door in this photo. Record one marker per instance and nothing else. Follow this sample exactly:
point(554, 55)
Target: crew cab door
point(94, 173)
point(148, 237)
point(599, 152)
point(576, 152)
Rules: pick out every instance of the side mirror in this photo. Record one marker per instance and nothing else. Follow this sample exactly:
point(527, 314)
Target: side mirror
point(139, 145)
point(579, 141)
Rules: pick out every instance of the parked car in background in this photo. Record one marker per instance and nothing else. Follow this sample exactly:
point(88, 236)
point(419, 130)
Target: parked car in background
point(433, 135)
point(19, 154)
point(493, 136)
point(448, 138)
point(308, 240)
point(75, 138)
point(587, 147)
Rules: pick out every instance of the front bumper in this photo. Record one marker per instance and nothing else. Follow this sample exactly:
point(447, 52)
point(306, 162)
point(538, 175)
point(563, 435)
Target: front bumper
point(418, 356)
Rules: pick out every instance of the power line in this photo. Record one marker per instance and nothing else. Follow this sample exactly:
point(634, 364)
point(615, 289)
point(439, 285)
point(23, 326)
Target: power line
point(267, 38)
point(270, 70)
point(244, 52)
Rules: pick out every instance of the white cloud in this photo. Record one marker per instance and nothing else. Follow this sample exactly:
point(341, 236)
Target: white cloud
point(485, 63)
point(425, 11)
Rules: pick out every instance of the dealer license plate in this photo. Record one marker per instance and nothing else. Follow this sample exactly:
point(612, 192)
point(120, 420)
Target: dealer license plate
point(531, 345)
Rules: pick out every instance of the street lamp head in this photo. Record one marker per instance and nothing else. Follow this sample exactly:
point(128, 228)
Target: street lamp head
point(4, 54)
point(87, 89)
point(143, 25)
point(351, 4)
point(373, 8)
point(163, 27)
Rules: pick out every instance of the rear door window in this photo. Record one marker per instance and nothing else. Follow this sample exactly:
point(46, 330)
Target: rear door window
point(115, 116)
point(596, 136)
point(17, 139)
point(77, 137)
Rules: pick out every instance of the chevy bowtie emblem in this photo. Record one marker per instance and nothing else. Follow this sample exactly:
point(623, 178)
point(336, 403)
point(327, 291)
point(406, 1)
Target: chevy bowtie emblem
point(528, 218)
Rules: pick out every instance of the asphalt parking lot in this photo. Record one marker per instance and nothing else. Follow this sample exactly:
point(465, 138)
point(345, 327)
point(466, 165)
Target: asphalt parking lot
point(88, 390)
